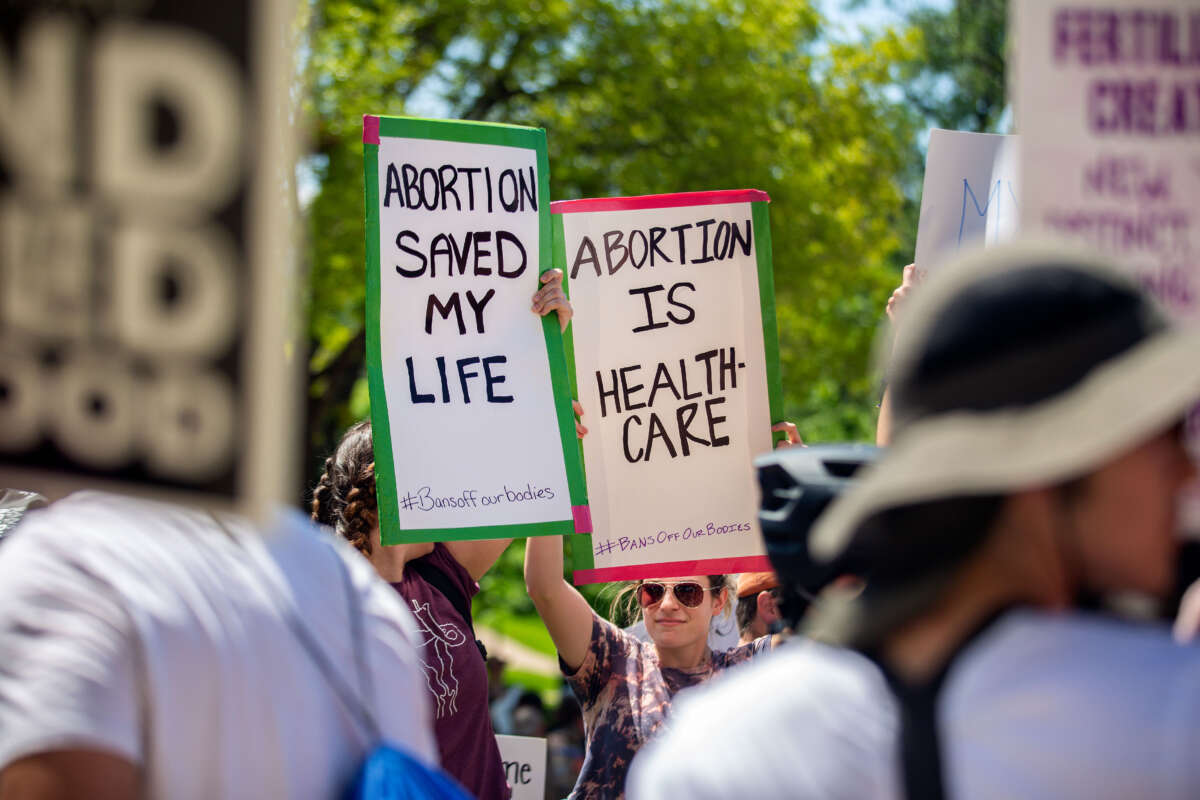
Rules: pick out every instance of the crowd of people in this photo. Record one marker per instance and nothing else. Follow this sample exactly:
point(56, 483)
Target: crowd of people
point(973, 638)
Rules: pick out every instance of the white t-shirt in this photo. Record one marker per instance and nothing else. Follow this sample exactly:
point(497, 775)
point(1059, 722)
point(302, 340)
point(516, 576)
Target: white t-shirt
point(144, 630)
point(1039, 706)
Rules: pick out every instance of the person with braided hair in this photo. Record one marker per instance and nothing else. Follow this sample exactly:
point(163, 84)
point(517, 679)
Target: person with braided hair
point(436, 581)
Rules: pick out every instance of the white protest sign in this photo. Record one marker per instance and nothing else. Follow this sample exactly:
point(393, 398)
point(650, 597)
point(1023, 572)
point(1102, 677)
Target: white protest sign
point(674, 350)
point(470, 401)
point(1107, 98)
point(969, 195)
point(524, 759)
point(146, 253)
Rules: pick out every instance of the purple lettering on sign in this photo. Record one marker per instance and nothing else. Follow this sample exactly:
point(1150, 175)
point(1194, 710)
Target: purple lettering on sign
point(625, 544)
point(1171, 285)
point(1146, 107)
point(1127, 178)
point(1161, 232)
point(1096, 37)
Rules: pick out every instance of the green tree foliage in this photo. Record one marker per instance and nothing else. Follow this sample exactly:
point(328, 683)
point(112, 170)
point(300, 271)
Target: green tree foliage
point(956, 75)
point(637, 97)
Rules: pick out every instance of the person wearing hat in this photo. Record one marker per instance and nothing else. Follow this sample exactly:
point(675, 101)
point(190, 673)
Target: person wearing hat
point(1036, 462)
point(757, 605)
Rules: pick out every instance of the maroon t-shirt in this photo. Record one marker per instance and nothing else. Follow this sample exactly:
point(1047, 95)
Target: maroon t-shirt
point(456, 678)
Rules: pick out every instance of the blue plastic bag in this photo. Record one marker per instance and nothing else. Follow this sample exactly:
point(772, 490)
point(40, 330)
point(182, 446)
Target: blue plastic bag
point(391, 774)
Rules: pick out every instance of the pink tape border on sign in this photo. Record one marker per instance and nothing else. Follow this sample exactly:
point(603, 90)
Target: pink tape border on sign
point(674, 569)
point(678, 200)
point(370, 129)
point(583, 518)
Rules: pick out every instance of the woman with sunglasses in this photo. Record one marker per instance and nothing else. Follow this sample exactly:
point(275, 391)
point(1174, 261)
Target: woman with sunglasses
point(624, 685)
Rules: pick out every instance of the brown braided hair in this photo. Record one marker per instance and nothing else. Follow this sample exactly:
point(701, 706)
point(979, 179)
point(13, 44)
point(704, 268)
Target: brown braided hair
point(344, 497)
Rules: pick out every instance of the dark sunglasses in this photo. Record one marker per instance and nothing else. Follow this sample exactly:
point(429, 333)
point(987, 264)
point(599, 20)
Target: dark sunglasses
point(688, 593)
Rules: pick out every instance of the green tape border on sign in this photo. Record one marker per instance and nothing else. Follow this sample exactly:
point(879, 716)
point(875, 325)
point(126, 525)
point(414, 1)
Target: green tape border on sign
point(581, 557)
point(381, 433)
point(761, 216)
point(490, 133)
point(561, 352)
point(552, 528)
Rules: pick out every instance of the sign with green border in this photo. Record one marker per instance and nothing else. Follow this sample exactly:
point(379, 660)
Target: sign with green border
point(471, 413)
point(675, 356)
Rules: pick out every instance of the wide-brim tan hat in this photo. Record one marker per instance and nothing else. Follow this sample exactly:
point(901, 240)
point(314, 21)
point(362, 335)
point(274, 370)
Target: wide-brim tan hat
point(1122, 400)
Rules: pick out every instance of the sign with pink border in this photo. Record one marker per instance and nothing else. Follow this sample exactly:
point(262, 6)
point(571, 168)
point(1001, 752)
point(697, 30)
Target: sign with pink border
point(675, 359)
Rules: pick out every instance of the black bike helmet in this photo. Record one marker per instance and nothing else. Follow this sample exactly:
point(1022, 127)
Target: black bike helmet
point(797, 484)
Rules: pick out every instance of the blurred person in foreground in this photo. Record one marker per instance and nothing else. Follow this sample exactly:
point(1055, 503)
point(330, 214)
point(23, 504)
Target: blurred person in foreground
point(148, 650)
point(14, 505)
point(1035, 466)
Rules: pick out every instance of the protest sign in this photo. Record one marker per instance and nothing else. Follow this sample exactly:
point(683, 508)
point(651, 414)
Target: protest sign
point(470, 400)
point(676, 359)
point(524, 759)
point(1107, 98)
point(145, 251)
point(969, 195)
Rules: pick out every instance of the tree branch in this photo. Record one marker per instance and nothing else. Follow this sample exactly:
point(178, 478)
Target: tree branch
point(499, 89)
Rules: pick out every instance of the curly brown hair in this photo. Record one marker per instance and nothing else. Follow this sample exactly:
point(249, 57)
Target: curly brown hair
point(344, 497)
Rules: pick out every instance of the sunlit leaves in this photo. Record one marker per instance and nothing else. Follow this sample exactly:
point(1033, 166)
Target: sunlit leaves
point(641, 97)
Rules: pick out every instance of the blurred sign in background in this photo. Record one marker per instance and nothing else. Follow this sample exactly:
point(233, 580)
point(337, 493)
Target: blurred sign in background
point(144, 251)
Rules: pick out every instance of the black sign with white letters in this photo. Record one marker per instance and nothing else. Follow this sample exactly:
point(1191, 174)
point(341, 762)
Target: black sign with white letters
point(132, 249)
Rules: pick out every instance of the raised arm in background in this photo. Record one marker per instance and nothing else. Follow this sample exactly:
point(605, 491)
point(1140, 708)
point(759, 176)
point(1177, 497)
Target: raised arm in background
point(910, 278)
point(565, 612)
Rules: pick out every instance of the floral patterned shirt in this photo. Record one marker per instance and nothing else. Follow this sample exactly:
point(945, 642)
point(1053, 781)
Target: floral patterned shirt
point(626, 694)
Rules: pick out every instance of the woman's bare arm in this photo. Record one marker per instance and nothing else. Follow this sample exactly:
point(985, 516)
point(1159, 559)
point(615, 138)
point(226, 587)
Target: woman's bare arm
point(565, 612)
point(63, 774)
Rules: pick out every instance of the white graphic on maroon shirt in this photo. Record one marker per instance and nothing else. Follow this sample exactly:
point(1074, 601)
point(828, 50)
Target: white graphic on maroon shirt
point(437, 662)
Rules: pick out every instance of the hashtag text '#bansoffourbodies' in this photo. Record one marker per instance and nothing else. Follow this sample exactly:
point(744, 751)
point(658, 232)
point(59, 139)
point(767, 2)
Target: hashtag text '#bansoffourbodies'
point(424, 499)
point(627, 543)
